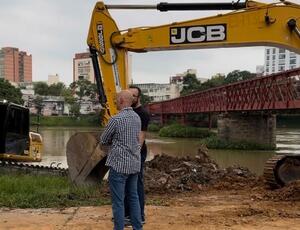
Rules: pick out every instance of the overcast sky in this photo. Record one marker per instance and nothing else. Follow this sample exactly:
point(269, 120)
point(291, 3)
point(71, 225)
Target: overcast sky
point(54, 30)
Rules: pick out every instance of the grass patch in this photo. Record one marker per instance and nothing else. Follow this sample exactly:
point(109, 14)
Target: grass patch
point(215, 143)
point(84, 120)
point(177, 130)
point(153, 128)
point(33, 191)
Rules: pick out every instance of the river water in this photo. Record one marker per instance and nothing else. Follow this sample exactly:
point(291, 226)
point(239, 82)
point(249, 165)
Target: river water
point(288, 141)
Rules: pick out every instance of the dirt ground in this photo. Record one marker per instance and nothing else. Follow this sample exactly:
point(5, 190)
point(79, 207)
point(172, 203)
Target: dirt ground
point(183, 194)
point(211, 209)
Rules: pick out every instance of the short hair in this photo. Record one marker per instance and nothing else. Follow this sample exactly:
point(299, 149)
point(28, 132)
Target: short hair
point(136, 87)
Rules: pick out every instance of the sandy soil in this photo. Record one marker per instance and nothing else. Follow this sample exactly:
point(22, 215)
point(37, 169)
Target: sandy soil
point(209, 209)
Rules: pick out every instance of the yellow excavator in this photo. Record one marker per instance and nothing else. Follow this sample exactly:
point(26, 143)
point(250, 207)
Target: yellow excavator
point(248, 23)
point(17, 142)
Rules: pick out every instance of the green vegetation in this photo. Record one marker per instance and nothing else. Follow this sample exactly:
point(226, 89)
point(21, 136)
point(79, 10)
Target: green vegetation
point(192, 84)
point(9, 92)
point(42, 88)
point(214, 143)
point(153, 128)
point(27, 191)
point(83, 120)
point(177, 130)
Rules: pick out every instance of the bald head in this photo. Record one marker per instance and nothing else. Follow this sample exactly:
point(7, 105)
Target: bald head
point(124, 99)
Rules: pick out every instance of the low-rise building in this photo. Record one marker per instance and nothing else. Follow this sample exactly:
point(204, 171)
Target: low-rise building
point(160, 92)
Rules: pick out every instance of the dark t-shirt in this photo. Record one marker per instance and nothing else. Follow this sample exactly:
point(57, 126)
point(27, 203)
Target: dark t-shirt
point(145, 118)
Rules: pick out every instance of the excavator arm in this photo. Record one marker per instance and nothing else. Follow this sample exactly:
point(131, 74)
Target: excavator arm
point(249, 24)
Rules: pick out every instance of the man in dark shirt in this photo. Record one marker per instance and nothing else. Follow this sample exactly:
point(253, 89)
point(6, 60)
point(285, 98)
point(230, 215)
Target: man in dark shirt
point(144, 116)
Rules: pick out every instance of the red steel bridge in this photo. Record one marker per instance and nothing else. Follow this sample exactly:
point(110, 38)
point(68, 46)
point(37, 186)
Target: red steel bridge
point(280, 91)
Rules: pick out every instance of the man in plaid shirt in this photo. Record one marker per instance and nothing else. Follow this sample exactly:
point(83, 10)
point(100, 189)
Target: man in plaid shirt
point(122, 134)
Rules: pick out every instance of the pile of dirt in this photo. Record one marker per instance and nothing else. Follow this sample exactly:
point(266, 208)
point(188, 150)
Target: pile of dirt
point(165, 174)
point(290, 192)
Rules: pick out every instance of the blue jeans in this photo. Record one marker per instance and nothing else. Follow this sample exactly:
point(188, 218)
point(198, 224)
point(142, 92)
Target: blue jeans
point(117, 183)
point(140, 189)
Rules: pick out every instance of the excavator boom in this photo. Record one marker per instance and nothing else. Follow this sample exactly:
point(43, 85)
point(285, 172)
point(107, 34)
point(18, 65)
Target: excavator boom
point(250, 24)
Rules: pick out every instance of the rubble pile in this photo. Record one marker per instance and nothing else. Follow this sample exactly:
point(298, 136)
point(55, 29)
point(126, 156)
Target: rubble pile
point(290, 192)
point(165, 174)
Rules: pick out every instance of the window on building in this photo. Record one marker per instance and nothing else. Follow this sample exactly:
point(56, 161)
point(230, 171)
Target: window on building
point(274, 50)
point(281, 68)
point(281, 51)
point(292, 66)
point(273, 69)
point(281, 62)
point(267, 63)
point(267, 70)
point(292, 55)
point(268, 57)
point(281, 56)
point(273, 57)
point(292, 61)
point(268, 51)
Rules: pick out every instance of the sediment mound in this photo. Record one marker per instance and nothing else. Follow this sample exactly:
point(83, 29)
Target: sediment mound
point(165, 174)
point(290, 192)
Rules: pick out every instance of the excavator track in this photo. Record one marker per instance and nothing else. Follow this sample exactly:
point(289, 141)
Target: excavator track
point(282, 169)
point(14, 167)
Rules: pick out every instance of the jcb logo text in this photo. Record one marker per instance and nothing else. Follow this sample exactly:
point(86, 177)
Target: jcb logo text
point(196, 34)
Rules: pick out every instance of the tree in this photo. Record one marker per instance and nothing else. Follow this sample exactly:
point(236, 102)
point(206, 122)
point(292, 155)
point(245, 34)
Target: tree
point(145, 99)
point(215, 81)
point(190, 84)
point(68, 96)
point(10, 93)
point(56, 89)
point(41, 88)
point(75, 109)
point(238, 75)
point(84, 88)
point(38, 104)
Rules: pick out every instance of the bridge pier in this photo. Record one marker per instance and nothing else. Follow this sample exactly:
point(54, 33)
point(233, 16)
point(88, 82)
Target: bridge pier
point(254, 128)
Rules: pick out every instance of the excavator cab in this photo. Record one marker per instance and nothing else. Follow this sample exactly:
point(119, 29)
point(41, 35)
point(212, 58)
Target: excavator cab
point(17, 143)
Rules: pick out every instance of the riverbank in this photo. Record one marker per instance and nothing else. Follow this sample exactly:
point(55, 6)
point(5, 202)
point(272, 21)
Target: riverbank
point(67, 121)
point(189, 193)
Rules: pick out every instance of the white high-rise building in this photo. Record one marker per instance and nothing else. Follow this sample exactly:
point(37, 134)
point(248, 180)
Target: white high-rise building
point(279, 59)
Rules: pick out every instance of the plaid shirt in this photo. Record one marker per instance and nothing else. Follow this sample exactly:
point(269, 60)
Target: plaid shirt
point(122, 133)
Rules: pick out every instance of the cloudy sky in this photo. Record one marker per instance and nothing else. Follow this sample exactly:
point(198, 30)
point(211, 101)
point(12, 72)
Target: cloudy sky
point(54, 30)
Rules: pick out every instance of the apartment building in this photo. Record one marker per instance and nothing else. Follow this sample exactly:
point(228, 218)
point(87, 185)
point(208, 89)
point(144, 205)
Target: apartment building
point(15, 65)
point(83, 67)
point(279, 59)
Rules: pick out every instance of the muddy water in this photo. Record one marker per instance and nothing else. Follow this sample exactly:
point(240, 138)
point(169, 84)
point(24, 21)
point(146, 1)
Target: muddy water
point(288, 141)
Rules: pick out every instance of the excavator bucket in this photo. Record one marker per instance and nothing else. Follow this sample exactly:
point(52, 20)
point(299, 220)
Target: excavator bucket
point(85, 158)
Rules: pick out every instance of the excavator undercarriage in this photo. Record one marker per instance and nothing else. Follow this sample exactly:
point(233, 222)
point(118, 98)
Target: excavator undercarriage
point(281, 170)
